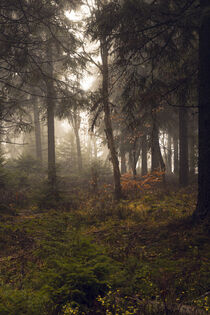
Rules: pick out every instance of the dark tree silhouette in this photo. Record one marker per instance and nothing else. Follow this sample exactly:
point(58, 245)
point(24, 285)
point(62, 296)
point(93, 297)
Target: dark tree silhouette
point(203, 204)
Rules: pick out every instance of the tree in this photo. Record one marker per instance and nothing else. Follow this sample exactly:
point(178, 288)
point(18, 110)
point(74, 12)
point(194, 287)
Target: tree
point(50, 103)
point(75, 121)
point(107, 118)
point(203, 203)
point(37, 129)
point(98, 30)
point(144, 168)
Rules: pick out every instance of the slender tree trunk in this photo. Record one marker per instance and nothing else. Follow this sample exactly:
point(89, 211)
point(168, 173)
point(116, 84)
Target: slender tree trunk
point(122, 155)
point(162, 164)
point(176, 155)
point(123, 162)
point(37, 130)
point(130, 166)
point(79, 154)
point(133, 162)
point(192, 146)
point(135, 152)
point(164, 150)
point(50, 120)
point(75, 120)
point(154, 146)
point(192, 154)
point(144, 168)
point(107, 120)
point(203, 203)
point(157, 159)
point(169, 155)
point(183, 148)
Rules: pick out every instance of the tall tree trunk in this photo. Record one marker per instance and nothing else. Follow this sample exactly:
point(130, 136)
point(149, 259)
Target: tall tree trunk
point(203, 203)
point(134, 156)
point(176, 155)
point(79, 154)
point(169, 155)
point(37, 130)
point(183, 148)
point(130, 166)
point(154, 145)
point(107, 120)
point(75, 120)
point(123, 167)
point(50, 120)
point(157, 159)
point(192, 154)
point(123, 162)
point(144, 168)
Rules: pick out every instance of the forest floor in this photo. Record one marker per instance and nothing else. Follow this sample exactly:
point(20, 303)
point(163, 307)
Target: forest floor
point(142, 255)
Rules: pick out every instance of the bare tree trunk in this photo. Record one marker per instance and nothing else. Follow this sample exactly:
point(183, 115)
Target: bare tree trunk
point(37, 130)
point(192, 147)
point(50, 120)
point(192, 154)
point(203, 203)
point(123, 162)
point(134, 156)
point(123, 167)
point(157, 159)
point(176, 155)
point(79, 154)
point(154, 147)
point(107, 120)
point(169, 155)
point(75, 120)
point(144, 168)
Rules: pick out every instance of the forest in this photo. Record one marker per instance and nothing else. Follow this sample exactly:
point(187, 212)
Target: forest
point(104, 157)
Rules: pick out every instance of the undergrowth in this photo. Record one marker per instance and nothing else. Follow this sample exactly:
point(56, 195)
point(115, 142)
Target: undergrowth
point(139, 256)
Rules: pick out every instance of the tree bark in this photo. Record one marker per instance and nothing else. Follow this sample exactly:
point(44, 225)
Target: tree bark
point(79, 154)
point(154, 145)
point(176, 155)
point(192, 154)
point(183, 148)
point(123, 162)
point(123, 167)
point(107, 120)
point(169, 155)
point(75, 120)
point(37, 130)
point(50, 120)
point(144, 168)
point(203, 202)
point(134, 156)
point(157, 159)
